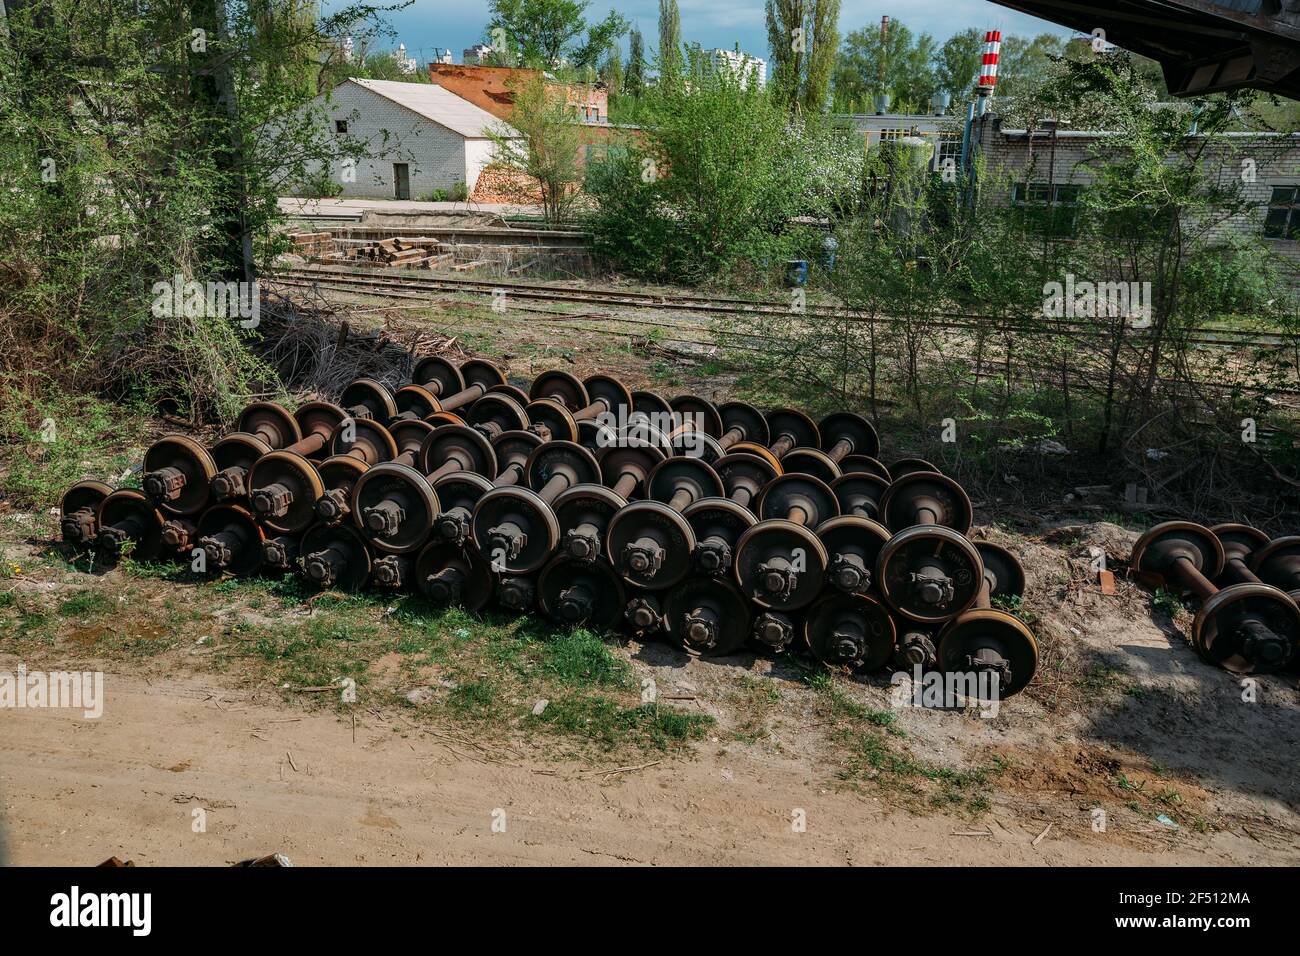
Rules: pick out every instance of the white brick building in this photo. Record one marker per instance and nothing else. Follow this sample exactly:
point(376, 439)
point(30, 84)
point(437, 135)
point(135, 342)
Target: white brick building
point(1047, 167)
point(419, 138)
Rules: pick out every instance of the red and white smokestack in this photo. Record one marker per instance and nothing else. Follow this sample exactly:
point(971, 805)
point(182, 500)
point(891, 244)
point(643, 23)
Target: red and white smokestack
point(989, 68)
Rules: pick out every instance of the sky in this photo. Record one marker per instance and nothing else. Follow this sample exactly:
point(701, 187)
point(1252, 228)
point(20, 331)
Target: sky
point(457, 24)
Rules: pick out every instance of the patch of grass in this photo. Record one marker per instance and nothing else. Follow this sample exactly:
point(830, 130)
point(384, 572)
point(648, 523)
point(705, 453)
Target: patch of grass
point(582, 658)
point(606, 722)
point(86, 604)
point(1100, 678)
point(474, 698)
point(755, 700)
point(60, 439)
point(1167, 601)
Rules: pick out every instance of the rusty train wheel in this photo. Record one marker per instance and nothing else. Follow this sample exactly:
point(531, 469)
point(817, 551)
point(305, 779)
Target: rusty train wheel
point(234, 456)
point(977, 637)
point(335, 558)
point(339, 475)
point(439, 375)
point(584, 512)
point(650, 545)
point(929, 573)
point(810, 461)
point(792, 422)
point(483, 373)
point(371, 396)
point(555, 417)
point(177, 475)
point(271, 422)
point(855, 464)
point(860, 493)
point(513, 508)
point(560, 387)
point(1157, 551)
point(394, 507)
point(284, 488)
point(718, 524)
point(231, 540)
point(77, 511)
point(364, 438)
point(850, 630)
point(450, 575)
point(1002, 569)
point(748, 419)
point(759, 451)
point(581, 594)
point(696, 413)
point(127, 517)
point(416, 401)
point(708, 617)
point(900, 503)
point(780, 565)
point(1248, 629)
point(854, 545)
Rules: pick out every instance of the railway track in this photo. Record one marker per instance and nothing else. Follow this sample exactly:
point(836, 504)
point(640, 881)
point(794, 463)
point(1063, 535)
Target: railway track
point(412, 286)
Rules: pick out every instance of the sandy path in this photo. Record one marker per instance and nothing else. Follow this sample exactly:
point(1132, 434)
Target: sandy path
point(76, 791)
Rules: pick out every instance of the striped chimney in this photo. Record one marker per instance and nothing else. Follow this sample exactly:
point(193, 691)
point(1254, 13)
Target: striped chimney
point(989, 69)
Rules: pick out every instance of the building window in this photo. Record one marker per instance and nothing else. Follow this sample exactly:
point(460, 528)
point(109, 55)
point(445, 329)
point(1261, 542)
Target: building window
point(1052, 209)
point(1283, 218)
point(340, 126)
point(949, 149)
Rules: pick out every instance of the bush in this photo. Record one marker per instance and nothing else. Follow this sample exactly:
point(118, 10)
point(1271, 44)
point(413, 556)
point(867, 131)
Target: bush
point(712, 183)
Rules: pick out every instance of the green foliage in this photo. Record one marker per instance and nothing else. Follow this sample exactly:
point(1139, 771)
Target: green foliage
point(712, 182)
point(539, 33)
point(804, 38)
point(545, 157)
point(670, 41)
point(150, 151)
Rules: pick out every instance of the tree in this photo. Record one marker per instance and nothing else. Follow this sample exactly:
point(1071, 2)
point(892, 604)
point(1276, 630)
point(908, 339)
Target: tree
point(544, 32)
point(905, 61)
point(173, 129)
point(634, 83)
point(804, 37)
point(670, 39)
point(957, 64)
point(544, 157)
point(1026, 63)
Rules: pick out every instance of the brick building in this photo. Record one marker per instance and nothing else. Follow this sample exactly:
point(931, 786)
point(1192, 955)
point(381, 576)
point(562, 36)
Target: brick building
point(492, 88)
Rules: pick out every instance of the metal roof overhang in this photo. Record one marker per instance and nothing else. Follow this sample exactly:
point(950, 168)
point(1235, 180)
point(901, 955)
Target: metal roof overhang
point(1204, 46)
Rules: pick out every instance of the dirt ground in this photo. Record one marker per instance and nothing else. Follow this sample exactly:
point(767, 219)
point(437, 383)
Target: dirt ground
point(1145, 728)
point(75, 791)
point(1126, 749)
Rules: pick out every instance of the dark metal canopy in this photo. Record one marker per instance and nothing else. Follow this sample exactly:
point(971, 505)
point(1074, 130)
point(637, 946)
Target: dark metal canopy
point(1205, 46)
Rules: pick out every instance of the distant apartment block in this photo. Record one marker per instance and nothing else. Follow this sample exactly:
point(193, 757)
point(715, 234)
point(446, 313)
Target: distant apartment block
point(751, 69)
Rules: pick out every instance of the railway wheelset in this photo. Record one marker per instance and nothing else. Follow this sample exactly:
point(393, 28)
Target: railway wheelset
point(712, 527)
point(1248, 585)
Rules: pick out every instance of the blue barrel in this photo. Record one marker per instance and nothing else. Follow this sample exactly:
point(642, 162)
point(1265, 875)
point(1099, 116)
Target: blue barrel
point(796, 272)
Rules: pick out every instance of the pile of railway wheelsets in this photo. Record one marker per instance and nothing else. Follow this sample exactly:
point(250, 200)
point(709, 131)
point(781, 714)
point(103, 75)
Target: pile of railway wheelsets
point(710, 526)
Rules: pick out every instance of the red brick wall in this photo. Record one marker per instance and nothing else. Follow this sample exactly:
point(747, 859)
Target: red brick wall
point(489, 88)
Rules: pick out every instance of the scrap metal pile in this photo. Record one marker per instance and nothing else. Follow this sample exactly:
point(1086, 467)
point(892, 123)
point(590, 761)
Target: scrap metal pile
point(712, 527)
